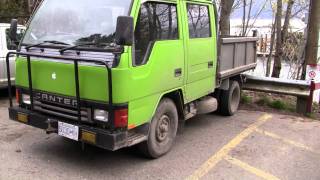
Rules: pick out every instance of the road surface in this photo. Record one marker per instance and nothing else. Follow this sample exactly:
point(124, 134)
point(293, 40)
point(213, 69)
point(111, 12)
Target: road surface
point(249, 145)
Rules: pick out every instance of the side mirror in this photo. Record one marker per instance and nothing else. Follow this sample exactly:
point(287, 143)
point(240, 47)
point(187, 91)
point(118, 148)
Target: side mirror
point(13, 30)
point(124, 31)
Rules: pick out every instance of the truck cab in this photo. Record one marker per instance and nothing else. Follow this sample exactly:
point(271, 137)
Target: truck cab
point(6, 45)
point(120, 73)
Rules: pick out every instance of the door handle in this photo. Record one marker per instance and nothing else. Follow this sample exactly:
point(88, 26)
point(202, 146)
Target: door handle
point(177, 72)
point(210, 64)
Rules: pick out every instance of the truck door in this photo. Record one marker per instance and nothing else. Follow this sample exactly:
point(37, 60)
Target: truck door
point(200, 49)
point(158, 59)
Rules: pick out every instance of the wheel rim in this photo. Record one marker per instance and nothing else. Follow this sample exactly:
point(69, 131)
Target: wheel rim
point(235, 99)
point(163, 126)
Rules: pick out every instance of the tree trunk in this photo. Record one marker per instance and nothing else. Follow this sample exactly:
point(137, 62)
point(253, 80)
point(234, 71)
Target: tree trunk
point(313, 33)
point(273, 37)
point(287, 20)
point(278, 54)
point(244, 17)
point(248, 18)
point(226, 7)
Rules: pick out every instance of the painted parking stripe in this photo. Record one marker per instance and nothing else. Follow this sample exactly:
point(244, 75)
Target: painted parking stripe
point(251, 169)
point(287, 141)
point(224, 151)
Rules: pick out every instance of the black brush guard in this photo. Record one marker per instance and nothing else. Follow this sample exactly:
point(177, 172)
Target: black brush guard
point(76, 79)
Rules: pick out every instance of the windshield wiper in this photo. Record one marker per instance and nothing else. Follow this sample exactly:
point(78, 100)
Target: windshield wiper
point(84, 44)
point(45, 42)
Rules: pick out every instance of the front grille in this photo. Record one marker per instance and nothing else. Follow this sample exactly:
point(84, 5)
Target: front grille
point(63, 111)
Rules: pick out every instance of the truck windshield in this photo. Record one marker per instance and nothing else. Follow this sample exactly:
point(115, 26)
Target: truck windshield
point(76, 22)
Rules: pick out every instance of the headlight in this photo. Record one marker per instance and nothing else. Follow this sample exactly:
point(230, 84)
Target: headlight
point(26, 99)
point(101, 115)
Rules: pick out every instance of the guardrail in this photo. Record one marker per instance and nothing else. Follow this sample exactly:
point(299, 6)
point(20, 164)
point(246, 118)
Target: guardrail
point(303, 90)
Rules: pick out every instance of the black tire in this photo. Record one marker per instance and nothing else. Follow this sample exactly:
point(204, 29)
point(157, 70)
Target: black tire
point(230, 99)
point(163, 130)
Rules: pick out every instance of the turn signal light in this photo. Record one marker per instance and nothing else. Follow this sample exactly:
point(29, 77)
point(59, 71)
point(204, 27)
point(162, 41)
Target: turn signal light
point(121, 118)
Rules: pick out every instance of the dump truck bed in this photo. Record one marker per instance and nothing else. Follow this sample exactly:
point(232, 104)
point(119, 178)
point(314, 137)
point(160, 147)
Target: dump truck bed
point(237, 55)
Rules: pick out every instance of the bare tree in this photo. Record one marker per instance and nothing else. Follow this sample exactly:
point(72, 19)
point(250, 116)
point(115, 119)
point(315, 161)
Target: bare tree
point(277, 58)
point(226, 9)
point(273, 37)
point(246, 16)
point(287, 20)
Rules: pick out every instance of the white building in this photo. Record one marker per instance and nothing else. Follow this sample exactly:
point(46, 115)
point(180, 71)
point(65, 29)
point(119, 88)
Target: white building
point(264, 26)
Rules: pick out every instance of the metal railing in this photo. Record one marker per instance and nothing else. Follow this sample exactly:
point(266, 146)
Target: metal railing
point(303, 90)
point(76, 79)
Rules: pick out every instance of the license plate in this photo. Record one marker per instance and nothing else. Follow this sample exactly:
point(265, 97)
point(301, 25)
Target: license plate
point(22, 118)
point(68, 130)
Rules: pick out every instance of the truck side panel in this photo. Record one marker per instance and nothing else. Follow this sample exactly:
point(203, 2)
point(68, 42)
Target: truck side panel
point(237, 54)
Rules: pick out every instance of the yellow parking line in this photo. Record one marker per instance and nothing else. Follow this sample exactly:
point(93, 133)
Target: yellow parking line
point(288, 141)
point(251, 169)
point(223, 152)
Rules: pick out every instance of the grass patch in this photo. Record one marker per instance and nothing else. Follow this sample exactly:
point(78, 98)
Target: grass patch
point(264, 101)
point(276, 104)
point(245, 99)
point(311, 115)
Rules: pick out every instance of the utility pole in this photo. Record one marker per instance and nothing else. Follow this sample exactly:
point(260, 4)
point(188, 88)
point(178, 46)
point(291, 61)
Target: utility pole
point(311, 58)
point(313, 33)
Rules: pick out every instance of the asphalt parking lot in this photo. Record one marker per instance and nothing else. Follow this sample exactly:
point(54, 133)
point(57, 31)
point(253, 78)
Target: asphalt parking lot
point(249, 145)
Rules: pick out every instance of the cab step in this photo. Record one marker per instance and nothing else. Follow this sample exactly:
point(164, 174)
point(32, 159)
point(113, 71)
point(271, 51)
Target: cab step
point(136, 138)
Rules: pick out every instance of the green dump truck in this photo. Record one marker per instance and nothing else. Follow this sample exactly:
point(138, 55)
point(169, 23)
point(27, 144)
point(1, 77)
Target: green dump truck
point(118, 73)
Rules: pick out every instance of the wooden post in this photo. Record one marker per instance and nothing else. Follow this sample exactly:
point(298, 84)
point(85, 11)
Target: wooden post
point(266, 43)
point(261, 43)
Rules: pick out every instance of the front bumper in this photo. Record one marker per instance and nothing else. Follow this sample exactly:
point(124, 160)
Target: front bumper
point(104, 139)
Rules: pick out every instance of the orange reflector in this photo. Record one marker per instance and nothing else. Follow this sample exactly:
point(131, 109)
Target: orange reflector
point(131, 126)
point(17, 96)
point(22, 118)
point(89, 137)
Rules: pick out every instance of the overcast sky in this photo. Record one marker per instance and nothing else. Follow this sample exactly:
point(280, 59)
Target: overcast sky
point(266, 14)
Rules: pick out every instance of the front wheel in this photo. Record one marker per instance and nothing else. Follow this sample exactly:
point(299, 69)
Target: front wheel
point(163, 130)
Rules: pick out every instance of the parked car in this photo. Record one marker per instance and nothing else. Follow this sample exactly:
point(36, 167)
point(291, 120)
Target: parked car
point(6, 45)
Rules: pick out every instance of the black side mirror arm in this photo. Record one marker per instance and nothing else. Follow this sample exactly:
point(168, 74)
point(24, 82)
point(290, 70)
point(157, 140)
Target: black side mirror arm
point(13, 31)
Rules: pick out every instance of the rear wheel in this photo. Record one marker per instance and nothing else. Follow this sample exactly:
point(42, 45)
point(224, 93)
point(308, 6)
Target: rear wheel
point(230, 99)
point(163, 130)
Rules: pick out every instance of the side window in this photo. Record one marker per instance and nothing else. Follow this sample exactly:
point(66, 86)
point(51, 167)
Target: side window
point(11, 45)
point(156, 21)
point(199, 21)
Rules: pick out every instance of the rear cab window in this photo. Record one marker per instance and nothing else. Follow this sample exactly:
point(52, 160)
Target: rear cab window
point(198, 21)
